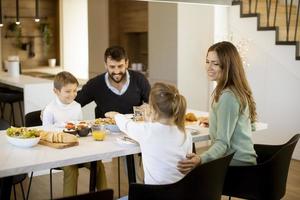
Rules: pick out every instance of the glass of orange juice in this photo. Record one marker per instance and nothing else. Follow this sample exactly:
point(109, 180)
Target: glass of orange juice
point(99, 132)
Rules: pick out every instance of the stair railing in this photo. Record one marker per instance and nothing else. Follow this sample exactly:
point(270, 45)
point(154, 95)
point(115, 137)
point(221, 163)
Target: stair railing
point(271, 12)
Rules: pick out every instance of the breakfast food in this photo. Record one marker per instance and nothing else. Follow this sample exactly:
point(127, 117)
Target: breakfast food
point(22, 132)
point(70, 125)
point(204, 122)
point(190, 117)
point(58, 137)
point(105, 121)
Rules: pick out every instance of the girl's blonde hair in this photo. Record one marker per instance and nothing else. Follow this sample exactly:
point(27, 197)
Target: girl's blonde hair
point(233, 77)
point(166, 102)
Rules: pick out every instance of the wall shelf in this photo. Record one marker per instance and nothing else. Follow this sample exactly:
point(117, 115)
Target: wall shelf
point(23, 36)
point(22, 17)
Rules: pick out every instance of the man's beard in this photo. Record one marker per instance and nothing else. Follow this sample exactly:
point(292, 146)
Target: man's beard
point(123, 75)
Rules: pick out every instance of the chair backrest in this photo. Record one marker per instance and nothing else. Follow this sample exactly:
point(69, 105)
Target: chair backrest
point(107, 194)
point(277, 168)
point(4, 124)
point(203, 182)
point(267, 179)
point(33, 119)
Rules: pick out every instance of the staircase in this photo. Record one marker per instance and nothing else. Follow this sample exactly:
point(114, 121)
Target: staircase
point(282, 16)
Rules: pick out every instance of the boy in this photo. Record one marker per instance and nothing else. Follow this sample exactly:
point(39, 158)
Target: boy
point(58, 112)
point(63, 108)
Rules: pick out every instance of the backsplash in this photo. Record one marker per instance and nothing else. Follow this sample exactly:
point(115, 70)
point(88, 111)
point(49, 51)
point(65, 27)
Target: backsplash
point(34, 42)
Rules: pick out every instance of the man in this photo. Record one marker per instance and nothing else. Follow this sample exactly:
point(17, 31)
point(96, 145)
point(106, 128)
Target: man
point(118, 89)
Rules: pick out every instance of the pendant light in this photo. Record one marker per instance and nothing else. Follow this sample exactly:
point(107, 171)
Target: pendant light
point(17, 12)
point(1, 23)
point(37, 16)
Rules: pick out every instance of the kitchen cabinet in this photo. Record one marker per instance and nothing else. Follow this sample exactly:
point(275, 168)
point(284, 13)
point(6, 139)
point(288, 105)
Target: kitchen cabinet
point(128, 22)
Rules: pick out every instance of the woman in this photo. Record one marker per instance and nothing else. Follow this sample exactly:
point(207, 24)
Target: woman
point(232, 110)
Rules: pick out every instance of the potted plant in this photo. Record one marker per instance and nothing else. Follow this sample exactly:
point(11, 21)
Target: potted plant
point(47, 37)
point(16, 30)
point(46, 33)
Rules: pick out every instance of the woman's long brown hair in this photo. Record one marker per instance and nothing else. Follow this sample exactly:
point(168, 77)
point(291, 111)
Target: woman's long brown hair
point(233, 77)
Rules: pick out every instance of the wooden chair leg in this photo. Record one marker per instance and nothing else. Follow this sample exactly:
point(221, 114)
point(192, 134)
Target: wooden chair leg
point(15, 194)
point(21, 112)
point(119, 178)
point(51, 194)
point(13, 113)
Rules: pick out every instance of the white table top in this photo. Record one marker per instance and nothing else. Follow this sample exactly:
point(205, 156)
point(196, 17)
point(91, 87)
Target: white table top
point(15, 160)
point(21, 80)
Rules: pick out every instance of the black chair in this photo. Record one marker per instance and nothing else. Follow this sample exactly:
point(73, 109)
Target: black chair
point(203, 182)
point(18, 178)
point(267, 179)
point(10, 97)
point(33, 119)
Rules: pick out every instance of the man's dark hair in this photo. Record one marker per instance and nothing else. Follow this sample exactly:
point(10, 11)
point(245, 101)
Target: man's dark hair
point(115, 53)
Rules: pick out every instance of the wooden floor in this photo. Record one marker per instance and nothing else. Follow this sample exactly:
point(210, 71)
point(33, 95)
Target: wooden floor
point(40, 184)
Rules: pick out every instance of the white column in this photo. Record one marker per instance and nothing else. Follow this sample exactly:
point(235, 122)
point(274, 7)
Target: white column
point(179, 35)
point(74, 37)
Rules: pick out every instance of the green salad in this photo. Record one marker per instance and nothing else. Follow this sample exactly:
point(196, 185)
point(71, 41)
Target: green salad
point(22, 132)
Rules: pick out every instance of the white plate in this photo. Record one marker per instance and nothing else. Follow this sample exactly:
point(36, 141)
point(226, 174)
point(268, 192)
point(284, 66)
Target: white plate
point(192, 131)
point(23, 142)
point(112, 128)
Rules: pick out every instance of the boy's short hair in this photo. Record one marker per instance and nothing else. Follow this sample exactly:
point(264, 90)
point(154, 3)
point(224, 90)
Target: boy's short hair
point(115, 53)
point(63, 78)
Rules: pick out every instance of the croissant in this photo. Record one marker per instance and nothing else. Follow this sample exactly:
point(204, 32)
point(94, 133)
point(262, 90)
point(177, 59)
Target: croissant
point(58, 137)
point(191, 117)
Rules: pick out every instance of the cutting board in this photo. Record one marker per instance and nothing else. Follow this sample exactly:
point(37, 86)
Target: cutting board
point(58, 145)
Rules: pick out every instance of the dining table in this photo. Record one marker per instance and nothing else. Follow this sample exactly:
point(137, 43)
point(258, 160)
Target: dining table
point(16, 160)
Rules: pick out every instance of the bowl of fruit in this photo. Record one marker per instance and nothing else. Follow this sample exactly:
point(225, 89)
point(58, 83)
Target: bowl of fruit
point(22, 137)
point(70, 128)
point(83, 129)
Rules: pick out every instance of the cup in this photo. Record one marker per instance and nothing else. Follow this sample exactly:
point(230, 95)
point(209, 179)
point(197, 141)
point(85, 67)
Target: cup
point(133, 66)
point(13, 68)
point(139, 67)
point(138, 113)
point(52, 62)
point(99, 132)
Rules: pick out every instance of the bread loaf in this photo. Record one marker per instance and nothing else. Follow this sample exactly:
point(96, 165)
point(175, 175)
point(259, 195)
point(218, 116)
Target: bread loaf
point(58, 137)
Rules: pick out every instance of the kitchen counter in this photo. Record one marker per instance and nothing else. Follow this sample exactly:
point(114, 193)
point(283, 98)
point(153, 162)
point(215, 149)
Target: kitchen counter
point(44, 69)
point(38, 92)
point(47, 73)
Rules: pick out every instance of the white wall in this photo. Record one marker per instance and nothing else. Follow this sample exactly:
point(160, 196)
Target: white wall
point(195, 35)
point(162, 42)
point(74, 37)
point(274, 76)
point(177, 48)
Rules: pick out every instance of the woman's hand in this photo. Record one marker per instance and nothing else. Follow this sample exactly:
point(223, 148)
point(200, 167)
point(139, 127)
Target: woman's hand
point(184, 166)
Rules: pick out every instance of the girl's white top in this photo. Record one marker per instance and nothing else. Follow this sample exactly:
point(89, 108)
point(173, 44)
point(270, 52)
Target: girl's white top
point(162, 146)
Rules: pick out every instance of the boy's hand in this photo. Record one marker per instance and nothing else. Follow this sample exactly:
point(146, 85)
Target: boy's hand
point(111, 114)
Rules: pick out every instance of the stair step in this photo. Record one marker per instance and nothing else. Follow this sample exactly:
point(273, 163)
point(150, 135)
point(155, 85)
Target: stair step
point(279, 26)
point(286, 42)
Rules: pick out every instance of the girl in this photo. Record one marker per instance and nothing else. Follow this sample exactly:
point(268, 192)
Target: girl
point(162, 139)
point(232, 110)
